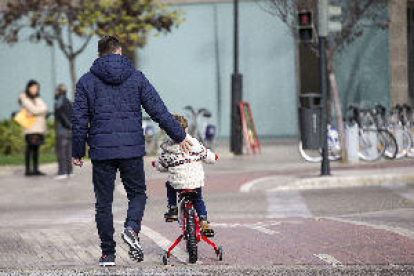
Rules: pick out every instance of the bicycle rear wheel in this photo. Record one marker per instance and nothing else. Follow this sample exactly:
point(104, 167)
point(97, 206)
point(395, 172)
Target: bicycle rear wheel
point(371, 145)
point(191, 236)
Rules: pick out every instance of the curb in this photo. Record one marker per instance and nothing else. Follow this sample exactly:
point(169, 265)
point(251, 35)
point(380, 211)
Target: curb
point(345, 182)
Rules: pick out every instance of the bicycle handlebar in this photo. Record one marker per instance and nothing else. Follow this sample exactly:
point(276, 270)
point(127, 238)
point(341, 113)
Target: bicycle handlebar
point(190, 108)
point(202, 111)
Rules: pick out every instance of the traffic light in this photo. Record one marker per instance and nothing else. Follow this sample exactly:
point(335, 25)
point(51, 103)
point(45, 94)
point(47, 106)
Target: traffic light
point(334, 12)
point(327, 18)
point(306, 25)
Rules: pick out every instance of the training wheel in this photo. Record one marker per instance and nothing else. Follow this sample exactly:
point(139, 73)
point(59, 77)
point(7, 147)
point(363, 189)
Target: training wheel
point(165, 259)
point(220, 253)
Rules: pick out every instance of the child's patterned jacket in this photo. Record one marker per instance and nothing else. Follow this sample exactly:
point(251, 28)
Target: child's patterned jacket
point(185, 170)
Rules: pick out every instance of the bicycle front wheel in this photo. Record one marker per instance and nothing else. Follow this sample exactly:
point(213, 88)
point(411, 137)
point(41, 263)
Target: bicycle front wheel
point(371, 145)
point(391, 146)
point(315, 156)
point(191, 236)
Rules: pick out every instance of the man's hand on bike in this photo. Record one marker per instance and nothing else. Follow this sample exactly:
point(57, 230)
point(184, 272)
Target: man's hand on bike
point(186, 144)
point(77, 162)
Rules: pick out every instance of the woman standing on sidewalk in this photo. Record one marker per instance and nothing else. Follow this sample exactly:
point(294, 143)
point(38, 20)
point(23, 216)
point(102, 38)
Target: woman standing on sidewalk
point(34, 135)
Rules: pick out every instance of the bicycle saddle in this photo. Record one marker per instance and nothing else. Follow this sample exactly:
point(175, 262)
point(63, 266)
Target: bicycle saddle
point(190, 194)
point(407, 107)
point(398, 108)
point(353, 107)
point(380, 109)
point(205, 112)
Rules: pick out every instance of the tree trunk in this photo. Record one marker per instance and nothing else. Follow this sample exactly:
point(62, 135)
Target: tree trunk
point(338, 112)
point(72, 75)
point(130, 54)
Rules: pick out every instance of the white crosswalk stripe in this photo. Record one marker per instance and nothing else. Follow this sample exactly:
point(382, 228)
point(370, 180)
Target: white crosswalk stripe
point(283, 204)
point(402, 189)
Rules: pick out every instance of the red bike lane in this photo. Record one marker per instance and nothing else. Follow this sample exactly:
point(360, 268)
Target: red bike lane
point(298, 241)
point(287, 241)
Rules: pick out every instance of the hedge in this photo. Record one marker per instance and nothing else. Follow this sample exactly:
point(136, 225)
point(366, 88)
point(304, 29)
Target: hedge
point(12, 138)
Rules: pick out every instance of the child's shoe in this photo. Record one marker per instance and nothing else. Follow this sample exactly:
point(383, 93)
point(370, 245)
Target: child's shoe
point(205, 228)
point(171, 214)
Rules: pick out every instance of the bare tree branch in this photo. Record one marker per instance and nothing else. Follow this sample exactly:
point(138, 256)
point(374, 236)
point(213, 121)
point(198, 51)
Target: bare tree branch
point(85, 43)
point(355, 14)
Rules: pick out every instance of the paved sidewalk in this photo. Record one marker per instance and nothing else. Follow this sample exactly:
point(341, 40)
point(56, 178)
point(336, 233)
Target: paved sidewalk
point(48, 226)
point(280, 167)
point(278, 156)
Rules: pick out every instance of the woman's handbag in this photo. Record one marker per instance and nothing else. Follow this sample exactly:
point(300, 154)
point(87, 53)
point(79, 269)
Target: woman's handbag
point(23, 119)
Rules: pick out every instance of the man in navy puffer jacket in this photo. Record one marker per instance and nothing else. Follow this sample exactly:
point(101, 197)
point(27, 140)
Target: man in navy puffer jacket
point(107, 115)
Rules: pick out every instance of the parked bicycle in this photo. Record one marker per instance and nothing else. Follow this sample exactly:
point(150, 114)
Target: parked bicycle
point(400, 125)
point(409, 114)
point(189, 223)
point(334, 148)
point(383, 126)
point(374, 140)
point(203, 131)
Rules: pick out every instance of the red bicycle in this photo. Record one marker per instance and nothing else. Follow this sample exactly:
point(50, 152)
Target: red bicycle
point(189, 223)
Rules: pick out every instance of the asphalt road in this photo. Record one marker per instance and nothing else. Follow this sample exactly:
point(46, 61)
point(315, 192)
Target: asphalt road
point(48, 227)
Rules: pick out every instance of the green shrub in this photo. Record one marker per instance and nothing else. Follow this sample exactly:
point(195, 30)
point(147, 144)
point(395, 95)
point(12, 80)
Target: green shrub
point(12, 138)
point(49, 146)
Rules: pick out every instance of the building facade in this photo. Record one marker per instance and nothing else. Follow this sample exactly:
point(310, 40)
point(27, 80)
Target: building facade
point(193, 65)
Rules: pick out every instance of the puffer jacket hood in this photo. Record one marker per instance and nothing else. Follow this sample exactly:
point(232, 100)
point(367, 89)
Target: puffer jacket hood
point(113, 69)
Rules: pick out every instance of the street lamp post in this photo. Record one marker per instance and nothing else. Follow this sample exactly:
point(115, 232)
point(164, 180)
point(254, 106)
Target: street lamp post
point(323, 34)
point(236, 138)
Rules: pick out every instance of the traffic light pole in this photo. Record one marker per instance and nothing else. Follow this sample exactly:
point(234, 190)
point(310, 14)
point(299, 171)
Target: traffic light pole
point(236, 138)
point(325, 167)
point(323, 34)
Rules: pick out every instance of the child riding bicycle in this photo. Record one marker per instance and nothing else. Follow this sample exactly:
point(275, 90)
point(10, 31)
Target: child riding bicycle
point(185, 172)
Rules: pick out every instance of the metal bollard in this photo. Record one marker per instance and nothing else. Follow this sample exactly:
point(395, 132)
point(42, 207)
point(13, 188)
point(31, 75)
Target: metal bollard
point(352, 142)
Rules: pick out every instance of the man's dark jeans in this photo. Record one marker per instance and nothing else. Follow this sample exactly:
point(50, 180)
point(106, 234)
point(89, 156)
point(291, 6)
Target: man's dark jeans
point(198, 202)
point(133, 178)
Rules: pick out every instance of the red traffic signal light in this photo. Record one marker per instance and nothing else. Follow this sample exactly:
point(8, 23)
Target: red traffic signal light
point(305, 19)
point(306, 31)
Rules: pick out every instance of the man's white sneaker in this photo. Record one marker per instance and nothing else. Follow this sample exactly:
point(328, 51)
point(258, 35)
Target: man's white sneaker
point(130, 237)
point(61, 176)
